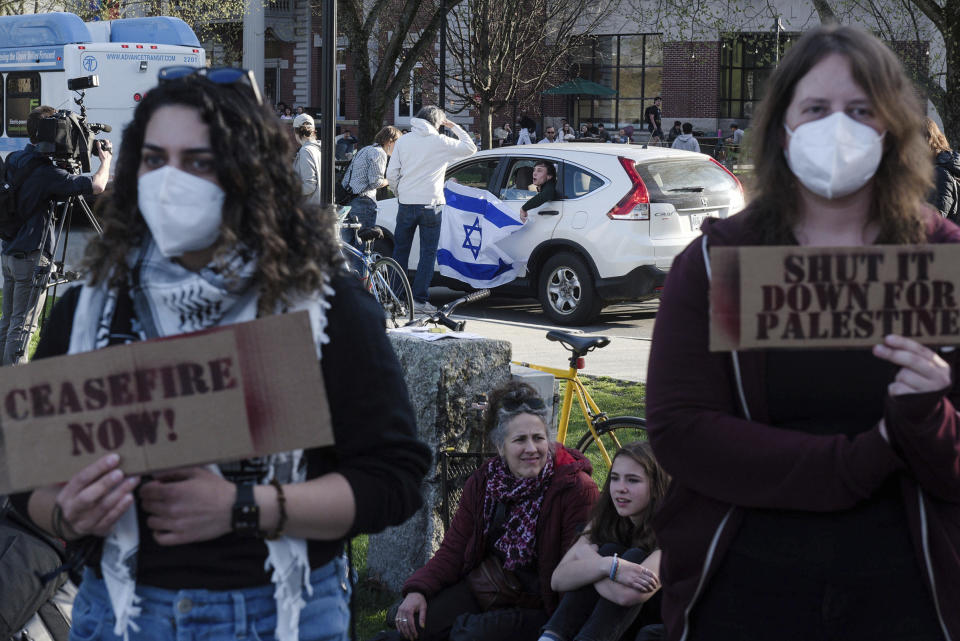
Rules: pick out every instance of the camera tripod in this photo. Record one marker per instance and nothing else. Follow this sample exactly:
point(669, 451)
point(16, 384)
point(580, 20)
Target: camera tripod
point(50, 272)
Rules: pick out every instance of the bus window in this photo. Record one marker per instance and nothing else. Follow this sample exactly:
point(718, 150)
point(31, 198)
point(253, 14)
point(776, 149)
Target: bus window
point(22, 97)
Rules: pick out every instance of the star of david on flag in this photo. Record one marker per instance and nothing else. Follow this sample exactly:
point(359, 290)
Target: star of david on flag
point(474, 221)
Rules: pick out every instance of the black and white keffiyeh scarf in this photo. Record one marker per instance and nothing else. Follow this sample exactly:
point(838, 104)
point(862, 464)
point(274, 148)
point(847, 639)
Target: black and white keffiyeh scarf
point(169, 299)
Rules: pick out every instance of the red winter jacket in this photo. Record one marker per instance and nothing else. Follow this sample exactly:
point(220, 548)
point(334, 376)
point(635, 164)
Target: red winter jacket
point(566, 509)
point(708, 423)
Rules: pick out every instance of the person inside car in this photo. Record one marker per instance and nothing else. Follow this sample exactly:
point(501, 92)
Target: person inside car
point(545, 182)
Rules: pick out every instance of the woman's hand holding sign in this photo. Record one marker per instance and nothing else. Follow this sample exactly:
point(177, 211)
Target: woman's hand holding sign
point(92, 501)
point(922, 369)
point(187, 505)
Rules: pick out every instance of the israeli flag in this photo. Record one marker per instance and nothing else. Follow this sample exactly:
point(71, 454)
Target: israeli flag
point(474, 221)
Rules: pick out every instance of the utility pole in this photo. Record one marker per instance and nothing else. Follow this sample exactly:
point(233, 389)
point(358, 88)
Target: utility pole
point(328, 106)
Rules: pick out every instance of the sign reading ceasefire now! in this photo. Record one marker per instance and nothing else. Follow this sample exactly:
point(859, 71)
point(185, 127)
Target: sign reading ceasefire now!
point(228, 393)
point(764, 297)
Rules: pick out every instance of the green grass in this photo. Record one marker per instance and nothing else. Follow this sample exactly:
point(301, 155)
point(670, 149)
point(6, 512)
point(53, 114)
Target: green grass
point(615, 397)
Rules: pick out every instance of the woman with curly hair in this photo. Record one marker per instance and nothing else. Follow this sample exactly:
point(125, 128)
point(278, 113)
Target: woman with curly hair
point(610, 573)
point(205, 227)
point(518, 514)
point(815, 492)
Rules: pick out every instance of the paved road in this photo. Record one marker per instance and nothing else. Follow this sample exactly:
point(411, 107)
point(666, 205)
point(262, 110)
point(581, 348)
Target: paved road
point(521, 322)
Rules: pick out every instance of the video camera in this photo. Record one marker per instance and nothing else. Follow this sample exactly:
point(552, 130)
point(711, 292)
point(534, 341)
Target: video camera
point(67, 136)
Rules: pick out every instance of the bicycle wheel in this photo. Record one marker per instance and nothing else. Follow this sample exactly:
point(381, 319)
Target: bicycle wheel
point(613, 433)
point(389, 285)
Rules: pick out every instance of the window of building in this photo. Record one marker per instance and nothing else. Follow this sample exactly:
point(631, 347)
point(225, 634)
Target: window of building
point(746, 62)
point(22, 97)
point(630, 64)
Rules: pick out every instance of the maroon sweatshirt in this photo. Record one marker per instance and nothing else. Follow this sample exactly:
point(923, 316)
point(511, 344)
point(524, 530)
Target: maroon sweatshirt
point(708, 423)
point(565, 510)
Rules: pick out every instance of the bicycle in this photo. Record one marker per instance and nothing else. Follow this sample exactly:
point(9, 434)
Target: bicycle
point(605, 431)
point(382, 276)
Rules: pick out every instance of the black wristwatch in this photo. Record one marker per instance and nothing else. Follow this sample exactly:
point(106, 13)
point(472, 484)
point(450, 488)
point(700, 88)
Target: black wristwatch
point(246, 514)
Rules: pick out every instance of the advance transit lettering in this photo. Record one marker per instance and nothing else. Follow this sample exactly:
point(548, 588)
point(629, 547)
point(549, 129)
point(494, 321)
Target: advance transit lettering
point(834, 297)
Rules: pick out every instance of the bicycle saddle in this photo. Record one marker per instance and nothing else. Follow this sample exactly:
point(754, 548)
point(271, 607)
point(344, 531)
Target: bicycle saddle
point(579, 345)
point(370, 233)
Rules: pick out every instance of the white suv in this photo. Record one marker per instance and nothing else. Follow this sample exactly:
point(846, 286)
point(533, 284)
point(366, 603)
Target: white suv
point(623, 212)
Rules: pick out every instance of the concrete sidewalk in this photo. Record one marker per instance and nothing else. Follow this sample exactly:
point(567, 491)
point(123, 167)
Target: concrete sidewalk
point(624, 358)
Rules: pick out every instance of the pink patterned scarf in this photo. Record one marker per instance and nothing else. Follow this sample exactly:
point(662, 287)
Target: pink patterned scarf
point(523, 498)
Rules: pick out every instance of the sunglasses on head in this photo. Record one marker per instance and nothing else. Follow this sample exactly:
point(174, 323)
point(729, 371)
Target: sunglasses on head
point(513, 404)
point(217, 75)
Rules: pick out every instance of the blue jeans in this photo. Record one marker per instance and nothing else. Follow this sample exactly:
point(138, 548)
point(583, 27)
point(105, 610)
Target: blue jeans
point(18, 315)
point(206, 615)
point(409, 217)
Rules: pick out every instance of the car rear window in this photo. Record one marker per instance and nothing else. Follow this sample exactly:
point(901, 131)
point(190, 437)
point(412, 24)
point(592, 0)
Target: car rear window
point(665, 178)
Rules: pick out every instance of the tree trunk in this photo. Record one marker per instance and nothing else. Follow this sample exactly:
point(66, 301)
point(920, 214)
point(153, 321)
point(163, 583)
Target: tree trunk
point(486, 121)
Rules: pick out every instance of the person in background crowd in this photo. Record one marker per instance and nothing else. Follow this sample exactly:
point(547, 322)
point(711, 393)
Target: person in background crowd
point(250, 548)
point(686, 139)
point(307, 161)
point(569, 135)
point(281, 108)
point(946, 193)
point(602, 134)
point(287, 113)
point(609, 576)
point(674, 132)
point(517, 516)
point(500, 135)
point(345, 144)
point(416, 174)
point(832, 501)
point(367, 173)
point(545, 182)
point(550, 136)
point(652, 118)
point(735, 139)
point(584, 131)
point(523, 135)
point(297, 110)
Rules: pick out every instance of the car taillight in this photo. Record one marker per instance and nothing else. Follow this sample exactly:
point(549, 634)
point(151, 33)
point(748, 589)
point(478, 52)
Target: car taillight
point(636, 204)
point(729, 173)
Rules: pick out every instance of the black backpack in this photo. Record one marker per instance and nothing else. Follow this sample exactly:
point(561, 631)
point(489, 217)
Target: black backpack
point(27, 554)
point(342, 193)
point(10, 219)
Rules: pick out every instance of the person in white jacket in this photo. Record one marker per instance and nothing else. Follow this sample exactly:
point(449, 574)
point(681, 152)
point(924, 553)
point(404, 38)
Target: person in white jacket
point(416, 175)
point(307, 161)
point(686, 139)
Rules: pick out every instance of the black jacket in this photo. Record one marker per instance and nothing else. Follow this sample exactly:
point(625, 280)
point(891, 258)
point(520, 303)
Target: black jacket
point(946, 198)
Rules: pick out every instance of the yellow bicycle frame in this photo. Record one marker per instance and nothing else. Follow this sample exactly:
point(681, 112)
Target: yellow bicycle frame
point(587, 404)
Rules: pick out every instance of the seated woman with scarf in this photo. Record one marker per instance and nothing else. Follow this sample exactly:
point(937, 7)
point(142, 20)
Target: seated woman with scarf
point(490, 578)
point(205, 228)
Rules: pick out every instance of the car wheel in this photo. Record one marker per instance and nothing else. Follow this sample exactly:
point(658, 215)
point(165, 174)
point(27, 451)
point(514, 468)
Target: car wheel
point(566, 291)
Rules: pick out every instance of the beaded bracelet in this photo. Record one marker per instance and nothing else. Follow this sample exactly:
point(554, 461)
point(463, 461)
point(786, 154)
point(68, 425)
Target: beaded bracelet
point(282, 509)
point(614, 567)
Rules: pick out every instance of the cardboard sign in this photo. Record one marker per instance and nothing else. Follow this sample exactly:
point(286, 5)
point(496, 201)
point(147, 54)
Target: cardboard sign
point(223, 394)
point(765, 297)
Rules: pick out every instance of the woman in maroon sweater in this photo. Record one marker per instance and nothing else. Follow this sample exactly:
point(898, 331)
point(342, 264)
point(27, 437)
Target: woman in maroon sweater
point(524, 508)
point(816, 493)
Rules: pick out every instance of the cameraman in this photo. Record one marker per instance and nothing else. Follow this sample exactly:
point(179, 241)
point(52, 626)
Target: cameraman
point(22, 249)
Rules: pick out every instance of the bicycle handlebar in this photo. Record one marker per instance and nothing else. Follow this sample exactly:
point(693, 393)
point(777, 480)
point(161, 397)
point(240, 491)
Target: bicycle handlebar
point(442, 315)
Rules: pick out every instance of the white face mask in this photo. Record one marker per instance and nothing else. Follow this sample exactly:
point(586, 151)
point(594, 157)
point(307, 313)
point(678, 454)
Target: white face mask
point(183, 211)
point(834, 156)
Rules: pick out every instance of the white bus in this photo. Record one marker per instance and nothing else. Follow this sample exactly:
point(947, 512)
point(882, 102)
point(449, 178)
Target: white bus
point(40, 52)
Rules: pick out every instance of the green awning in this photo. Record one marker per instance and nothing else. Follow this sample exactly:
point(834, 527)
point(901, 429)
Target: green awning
point(582, 87)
